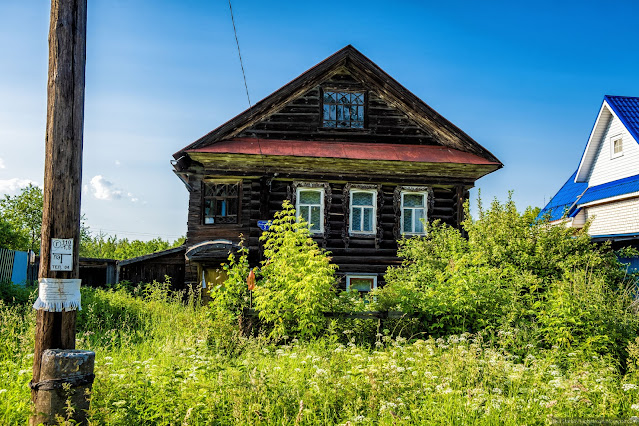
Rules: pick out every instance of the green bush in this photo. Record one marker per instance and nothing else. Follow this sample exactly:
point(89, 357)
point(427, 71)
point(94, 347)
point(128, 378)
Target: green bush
point(512, 272)
point(297, 282)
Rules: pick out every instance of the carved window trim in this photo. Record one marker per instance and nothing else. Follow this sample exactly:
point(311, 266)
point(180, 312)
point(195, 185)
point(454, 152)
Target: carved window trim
point(346, 204)
point(214, 219)
point(397, 201)
point(326, 202)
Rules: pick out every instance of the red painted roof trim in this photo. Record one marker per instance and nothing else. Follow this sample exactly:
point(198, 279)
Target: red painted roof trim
point(344, 150)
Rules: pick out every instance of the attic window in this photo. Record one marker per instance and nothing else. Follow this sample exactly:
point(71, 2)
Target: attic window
point(616, 146)
point(343, 110)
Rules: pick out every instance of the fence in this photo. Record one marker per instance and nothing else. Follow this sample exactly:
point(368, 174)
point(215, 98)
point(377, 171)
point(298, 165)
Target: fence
point(13, 266)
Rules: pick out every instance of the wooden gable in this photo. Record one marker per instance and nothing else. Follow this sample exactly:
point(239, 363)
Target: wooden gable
point(301, 117)
point(393, 114)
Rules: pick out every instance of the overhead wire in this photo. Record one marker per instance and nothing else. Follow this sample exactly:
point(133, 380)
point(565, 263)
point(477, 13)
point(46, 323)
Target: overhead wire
point(248, 97)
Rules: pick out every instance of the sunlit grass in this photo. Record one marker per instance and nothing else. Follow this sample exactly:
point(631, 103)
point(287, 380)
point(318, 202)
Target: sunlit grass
point(161, 361)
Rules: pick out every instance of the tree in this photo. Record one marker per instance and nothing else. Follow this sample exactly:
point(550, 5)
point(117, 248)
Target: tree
point(23, 213)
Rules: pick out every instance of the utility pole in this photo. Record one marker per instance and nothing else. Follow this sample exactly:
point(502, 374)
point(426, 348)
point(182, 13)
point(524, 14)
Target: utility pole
point(59, 258)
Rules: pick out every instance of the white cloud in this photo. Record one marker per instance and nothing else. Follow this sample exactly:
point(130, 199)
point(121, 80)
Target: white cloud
point(106, 190)
point(1, 163)
point(13, 186)
point(117, 163)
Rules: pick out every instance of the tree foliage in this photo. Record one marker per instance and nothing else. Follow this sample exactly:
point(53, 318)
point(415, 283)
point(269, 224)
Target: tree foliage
point(21, 219)
point(296, 283)
point(112, 247)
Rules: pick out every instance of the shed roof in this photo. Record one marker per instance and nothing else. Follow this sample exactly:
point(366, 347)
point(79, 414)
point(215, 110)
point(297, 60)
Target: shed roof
point(559, 205)
point(615, 188)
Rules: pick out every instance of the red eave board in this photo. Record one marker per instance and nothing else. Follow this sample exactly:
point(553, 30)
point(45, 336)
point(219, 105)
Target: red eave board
point(345, 150)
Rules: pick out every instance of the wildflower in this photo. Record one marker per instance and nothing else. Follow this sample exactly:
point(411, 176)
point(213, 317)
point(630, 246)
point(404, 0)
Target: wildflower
point(108, 358)
point(633, 406)
point(628, 386)
point(498, 391)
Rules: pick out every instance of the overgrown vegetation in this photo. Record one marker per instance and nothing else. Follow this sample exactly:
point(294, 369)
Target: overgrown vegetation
point(513, 272)
point(519, 323)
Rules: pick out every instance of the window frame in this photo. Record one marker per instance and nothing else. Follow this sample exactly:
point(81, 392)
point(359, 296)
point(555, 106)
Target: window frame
point(349, 128)
point(614, 139)
point(351, 207)
point(298, 212)
point(215, 182)
point(361, 276)
point(425, 194)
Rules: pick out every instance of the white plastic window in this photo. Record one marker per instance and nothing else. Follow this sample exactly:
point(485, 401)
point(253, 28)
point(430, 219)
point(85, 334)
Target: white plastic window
point(310, 206)
point(363, 212)
point(413, 211)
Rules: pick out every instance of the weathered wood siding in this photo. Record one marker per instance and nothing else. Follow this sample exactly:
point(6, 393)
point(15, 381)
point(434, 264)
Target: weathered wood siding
point(156, 269)
point(301, 119)
point(606, 169)
point(262, 197)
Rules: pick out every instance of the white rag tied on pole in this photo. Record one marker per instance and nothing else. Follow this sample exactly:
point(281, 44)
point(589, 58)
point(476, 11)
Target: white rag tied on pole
point(57, 295)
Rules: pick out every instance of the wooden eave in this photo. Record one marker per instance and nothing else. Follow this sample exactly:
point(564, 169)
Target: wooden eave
point(287, 164)
point(363, 68)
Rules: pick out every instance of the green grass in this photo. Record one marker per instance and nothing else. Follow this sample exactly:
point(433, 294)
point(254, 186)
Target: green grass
point(161, 361)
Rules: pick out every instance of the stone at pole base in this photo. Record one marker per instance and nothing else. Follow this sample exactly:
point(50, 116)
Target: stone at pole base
point(66, 374)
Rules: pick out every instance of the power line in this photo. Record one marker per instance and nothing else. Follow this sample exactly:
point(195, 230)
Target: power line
point(240, 55)
point(237, 43)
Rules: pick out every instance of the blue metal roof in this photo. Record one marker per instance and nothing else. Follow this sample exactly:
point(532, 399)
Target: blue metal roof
point(627, 109)
point(611, 189)
point(560, 204)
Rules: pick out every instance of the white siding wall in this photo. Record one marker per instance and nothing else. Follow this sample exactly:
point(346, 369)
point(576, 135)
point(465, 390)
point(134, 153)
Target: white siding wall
point(607, 169)
point(619, 217)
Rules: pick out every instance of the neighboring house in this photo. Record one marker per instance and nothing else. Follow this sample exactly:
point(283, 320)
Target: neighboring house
point(361, 158)
point(605, 187)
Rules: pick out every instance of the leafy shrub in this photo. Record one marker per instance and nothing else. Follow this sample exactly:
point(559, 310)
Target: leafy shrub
point(297, 279)
point(514, 272)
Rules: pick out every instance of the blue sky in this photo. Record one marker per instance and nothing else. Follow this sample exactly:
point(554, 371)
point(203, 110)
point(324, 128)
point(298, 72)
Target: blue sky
point(525, 80)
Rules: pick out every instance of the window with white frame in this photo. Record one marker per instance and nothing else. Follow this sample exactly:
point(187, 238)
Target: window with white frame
point(361, 282)
point(413, 211)
point(310, 206)
point(616, 146)
point(363, 211)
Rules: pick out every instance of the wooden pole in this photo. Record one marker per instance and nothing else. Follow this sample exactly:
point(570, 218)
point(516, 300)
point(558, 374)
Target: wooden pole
point(63, 164)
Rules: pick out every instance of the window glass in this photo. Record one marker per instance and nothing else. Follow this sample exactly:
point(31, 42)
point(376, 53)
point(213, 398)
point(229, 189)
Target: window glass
point(343, 109)
point(310, 207)
point(221, 202)
point(413, 211)
point(361, 284)
point(362, 212)
point(310, 197)
point(618, 146)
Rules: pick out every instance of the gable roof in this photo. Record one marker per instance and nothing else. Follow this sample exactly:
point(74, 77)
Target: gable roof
point(561, 204)
point(363, 68)
point(626, 109)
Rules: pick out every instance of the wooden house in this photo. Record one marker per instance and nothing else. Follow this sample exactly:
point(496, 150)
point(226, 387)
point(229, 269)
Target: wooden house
point(605, 187)
point(361, 158)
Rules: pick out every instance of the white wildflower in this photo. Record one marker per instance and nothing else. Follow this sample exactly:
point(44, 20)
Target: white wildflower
point(628, 386)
